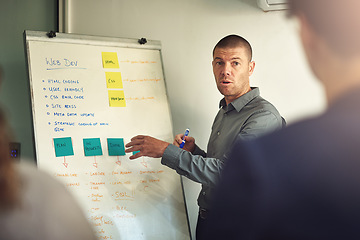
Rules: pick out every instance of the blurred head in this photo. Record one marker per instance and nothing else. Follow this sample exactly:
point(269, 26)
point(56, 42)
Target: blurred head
point(330, 35)
point(232, 66)
point(337, 21)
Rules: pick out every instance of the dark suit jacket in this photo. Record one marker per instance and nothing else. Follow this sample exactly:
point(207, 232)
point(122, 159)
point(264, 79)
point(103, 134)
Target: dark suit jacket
point(299, 183)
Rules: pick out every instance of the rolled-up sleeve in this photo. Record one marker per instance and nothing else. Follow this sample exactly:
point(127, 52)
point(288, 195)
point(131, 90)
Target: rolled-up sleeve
point(195, 167)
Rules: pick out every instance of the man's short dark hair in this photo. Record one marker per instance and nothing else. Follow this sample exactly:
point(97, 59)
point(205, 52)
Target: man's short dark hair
point(233, 41)
point(337, 21)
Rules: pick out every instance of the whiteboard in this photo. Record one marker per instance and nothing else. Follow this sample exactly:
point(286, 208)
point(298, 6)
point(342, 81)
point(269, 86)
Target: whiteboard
point(89, 96)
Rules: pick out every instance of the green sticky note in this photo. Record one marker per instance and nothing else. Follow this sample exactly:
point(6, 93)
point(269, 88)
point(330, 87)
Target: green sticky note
point(63, 147)
point(92, 147)
point(116, 146)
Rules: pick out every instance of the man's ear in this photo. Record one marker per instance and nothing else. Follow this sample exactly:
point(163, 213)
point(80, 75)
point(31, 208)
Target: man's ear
point(313, 43)
point(321, 57)
point(251, 67)
point(306, 33)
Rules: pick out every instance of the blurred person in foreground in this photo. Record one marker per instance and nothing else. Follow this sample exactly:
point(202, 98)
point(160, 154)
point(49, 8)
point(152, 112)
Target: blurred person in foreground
point(303, 182)
point(34, 206)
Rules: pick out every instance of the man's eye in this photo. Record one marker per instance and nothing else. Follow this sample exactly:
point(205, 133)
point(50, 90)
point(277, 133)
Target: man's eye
point(236, 63)
point(219, 63)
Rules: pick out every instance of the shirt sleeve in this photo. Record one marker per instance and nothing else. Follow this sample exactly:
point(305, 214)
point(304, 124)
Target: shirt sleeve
point(206, 170)
point(259, 124)
point(195, 167)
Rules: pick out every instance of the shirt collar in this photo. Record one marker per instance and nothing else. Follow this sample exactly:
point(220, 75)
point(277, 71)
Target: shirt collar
point(240, 102)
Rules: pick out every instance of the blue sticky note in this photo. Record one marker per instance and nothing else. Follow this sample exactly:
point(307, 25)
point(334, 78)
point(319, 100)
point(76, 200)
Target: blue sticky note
point(63, 147)
point(116, 146)
point(92, 147)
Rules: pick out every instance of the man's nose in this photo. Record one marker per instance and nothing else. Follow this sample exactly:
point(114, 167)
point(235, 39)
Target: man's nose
point(226, 70)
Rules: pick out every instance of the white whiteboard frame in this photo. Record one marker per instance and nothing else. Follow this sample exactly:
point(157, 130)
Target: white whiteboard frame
point(92, 40)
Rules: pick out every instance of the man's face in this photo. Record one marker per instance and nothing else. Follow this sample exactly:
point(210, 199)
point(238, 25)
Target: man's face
point(232, 70)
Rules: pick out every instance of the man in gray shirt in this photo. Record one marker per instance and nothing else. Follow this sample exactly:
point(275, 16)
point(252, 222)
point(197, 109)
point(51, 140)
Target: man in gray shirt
point(243, 115)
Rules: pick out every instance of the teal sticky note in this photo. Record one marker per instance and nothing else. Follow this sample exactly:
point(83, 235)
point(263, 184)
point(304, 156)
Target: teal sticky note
point(135, 152)
point(63, 147)
point(116, 146)
point(92, 147)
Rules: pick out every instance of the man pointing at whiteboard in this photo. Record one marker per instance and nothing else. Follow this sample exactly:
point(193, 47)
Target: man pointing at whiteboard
point(243, 115)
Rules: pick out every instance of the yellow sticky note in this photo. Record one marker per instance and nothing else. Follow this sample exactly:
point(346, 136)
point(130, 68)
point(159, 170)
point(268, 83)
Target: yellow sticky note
point(116, 98)
point(113, 80)
point(110, 60)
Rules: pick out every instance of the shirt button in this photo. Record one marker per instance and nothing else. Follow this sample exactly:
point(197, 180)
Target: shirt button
point(204, 193)
point(218, 133)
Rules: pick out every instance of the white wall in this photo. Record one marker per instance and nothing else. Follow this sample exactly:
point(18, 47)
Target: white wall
point(188, 30)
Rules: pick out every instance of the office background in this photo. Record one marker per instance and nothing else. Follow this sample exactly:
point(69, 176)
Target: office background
point(188, 31)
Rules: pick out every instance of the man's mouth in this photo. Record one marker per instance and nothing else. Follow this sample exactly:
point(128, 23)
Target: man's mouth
point(225, 82)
